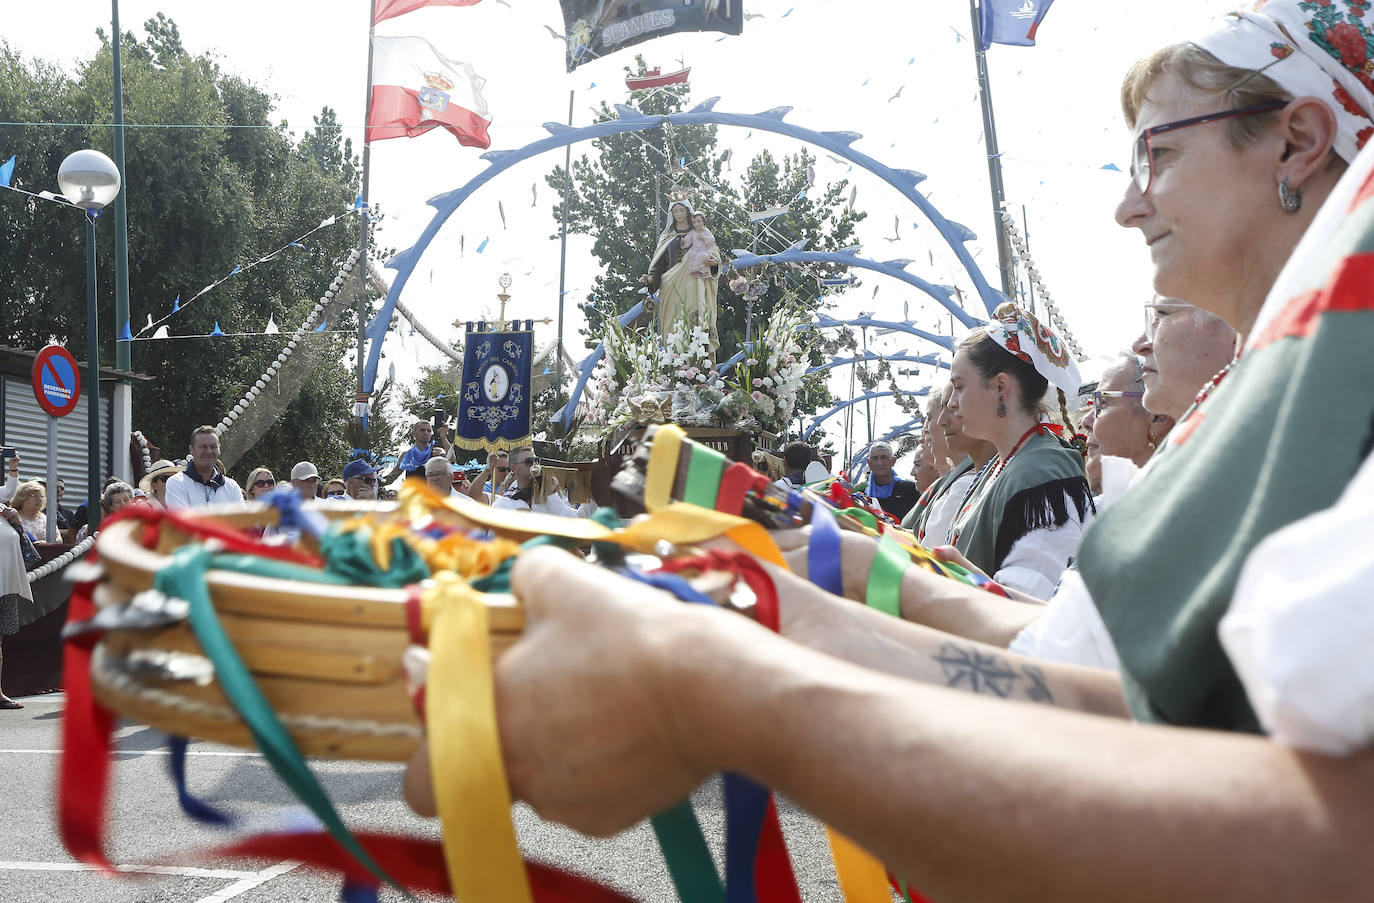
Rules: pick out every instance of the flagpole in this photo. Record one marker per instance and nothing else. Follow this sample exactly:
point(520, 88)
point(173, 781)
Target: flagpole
point(994, 155)
point(365, 218)
point(563, 254)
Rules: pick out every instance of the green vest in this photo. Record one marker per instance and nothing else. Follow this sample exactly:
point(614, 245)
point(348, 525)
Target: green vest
point(1041, 482)
point(1276, 441)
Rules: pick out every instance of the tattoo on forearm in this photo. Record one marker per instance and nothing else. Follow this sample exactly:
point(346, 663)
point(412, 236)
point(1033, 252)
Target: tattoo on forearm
point(967, 667)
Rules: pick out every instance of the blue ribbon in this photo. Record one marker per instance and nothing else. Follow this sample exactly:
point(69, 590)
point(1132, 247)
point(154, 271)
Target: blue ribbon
point(823, 555)
point(293, 515)
point(201, 812)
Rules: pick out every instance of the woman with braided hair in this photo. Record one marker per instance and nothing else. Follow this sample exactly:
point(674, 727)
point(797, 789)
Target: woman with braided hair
point(1023, 516)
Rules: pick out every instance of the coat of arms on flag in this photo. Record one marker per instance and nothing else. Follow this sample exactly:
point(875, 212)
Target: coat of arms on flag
point(494, 398)
point(415, 88)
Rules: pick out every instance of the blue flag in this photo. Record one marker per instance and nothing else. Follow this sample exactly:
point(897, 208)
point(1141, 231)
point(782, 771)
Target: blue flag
point(6, 172)
point(494, 406)
point(1011, 21)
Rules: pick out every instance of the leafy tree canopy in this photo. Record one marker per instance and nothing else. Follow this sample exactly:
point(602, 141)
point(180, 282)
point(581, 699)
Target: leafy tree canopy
point(201, 201)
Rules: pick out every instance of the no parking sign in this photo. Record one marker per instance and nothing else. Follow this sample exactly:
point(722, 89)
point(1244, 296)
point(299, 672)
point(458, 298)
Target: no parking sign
point(56, 381)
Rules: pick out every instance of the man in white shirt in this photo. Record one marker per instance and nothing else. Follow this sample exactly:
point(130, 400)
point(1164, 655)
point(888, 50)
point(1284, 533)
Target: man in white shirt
point(202, 484)
point(439, 476)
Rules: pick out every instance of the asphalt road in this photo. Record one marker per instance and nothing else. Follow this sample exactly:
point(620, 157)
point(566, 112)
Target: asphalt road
point(146, 825)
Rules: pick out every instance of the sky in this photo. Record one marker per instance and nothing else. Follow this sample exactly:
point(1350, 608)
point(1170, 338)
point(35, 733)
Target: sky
point(900, 72)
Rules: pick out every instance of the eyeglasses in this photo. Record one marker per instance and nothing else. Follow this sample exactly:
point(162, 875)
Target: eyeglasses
point(1155, 312)
point(367, 481)
point(257, 483)
point(1096, 398)
point(503, 470)
point(528, 461)
point(1142, 170)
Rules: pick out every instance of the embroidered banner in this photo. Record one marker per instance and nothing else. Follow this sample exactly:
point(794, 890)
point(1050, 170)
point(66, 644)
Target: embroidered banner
point(494, 397)
point(596, 28)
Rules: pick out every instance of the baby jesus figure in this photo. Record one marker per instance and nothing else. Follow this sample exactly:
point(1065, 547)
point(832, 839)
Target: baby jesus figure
point(700, 247)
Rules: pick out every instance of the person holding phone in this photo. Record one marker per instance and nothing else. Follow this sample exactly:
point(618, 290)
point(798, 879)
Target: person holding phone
point(11, 457)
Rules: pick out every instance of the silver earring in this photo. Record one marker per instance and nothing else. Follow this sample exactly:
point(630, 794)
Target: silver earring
point(1290, 198)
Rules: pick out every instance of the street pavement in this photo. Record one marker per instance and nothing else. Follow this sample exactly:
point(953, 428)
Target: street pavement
point(146, 825)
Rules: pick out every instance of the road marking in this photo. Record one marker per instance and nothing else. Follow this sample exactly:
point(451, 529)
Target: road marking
point(247, 883)
point(144, 752)
point(179, 871)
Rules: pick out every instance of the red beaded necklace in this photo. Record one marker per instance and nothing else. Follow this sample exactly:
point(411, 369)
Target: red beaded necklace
point(967, 503)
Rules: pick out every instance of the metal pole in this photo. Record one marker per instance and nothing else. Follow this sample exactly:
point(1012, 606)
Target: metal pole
point(563, 254)
point(365, 219)
point(52, 478)
point(122, 349)
point(92, 383)
point(994, 155)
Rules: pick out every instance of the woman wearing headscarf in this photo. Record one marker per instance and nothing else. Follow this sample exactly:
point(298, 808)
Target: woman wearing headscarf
point(683, 299)
point(1023, 516)
point(1071, 807)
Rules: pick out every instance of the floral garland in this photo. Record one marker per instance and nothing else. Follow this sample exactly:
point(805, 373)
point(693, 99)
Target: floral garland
point(764, 386)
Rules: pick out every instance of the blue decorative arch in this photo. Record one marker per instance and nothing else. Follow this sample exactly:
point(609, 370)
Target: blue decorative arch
point(632, 120)
point(944, 294)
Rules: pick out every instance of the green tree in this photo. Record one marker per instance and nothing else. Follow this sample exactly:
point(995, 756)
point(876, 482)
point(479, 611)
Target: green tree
point(201, 201)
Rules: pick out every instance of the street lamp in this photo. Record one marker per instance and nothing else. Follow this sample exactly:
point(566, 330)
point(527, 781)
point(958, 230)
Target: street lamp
point(90, 180)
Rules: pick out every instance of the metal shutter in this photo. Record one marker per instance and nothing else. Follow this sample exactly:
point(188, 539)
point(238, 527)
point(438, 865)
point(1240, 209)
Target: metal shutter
point(26, 428)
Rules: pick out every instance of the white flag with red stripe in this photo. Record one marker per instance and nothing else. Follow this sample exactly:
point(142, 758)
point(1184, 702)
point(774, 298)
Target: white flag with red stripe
point(385, 9)
point(416, 88)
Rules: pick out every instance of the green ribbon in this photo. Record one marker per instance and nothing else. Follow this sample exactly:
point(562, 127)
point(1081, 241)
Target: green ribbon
point(349, 554)
point(885, 577)
point(861, 515)
point(679, 833)
point(184, 578)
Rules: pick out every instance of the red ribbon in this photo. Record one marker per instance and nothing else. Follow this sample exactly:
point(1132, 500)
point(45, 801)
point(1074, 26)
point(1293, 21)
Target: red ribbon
point(234, 540)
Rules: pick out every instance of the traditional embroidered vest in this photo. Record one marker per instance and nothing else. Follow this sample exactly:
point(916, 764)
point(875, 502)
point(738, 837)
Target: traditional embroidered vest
point(1038, 487)
point(1276, 441)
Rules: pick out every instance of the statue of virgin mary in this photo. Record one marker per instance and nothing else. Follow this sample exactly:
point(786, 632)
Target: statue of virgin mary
point(684, 300)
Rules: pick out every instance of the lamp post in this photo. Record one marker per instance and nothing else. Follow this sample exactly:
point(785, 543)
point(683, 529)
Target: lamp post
point(90, 180)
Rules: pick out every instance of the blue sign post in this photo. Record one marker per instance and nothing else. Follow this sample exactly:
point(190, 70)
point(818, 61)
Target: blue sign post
point(57, 386)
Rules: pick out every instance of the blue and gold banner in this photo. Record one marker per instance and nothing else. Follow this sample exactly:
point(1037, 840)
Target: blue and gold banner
point(494, 396)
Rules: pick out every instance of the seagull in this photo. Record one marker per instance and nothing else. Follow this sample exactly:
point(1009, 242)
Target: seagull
point(502, 209)
point(897, 95)
point(504, 3)
point(896, 229)
point(557, 36)
point(534, 194)
point(460, 245)
point(834, 159)
point(853, 193)
point(875, 291)
point(748, 16)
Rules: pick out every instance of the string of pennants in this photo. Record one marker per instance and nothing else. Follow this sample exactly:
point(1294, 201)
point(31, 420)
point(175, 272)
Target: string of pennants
point(126, 335)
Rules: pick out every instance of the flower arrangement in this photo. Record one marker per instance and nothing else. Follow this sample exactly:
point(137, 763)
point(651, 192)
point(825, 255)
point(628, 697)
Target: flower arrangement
point(765, 384)
point(641, 381)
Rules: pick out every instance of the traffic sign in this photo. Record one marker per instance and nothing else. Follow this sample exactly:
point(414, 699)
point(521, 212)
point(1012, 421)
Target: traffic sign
point(56, 381)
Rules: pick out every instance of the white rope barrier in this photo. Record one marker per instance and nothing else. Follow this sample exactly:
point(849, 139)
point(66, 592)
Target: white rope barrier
point(61, 561)
point(1056, 320)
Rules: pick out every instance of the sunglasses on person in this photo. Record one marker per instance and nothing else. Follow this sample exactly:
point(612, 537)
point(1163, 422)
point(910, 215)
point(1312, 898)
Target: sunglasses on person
point(503, 470)
point(368, 481)
point(528, 461)
point(257, 483)
point(1142, 155)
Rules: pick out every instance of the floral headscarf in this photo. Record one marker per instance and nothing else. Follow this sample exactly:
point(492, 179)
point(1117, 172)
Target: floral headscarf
point(1019, 332)
point(1311, 48)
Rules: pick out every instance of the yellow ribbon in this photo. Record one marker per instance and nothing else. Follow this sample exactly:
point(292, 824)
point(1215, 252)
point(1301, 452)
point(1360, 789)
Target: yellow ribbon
point(863, 879)
point(663, 458)
point(480, 850)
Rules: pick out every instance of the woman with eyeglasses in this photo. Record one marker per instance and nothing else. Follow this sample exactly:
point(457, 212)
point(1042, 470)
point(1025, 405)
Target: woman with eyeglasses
point(1118, 425)
point(1182, 349)
point(1262, 493)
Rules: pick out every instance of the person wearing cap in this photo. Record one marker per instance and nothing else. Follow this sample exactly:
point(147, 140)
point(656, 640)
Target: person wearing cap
point(1022, 518)
point(305, 479)
point(360, 480)
point(202, 483)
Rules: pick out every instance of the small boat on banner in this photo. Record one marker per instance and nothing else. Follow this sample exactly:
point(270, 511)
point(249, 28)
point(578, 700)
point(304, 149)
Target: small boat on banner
point(654, 79)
